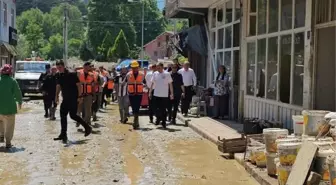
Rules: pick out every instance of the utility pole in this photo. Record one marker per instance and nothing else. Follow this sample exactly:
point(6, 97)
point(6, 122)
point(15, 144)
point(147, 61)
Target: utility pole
point(65, 35)
point(142, 30)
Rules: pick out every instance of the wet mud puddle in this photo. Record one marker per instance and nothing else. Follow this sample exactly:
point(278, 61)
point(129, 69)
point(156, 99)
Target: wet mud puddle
point(202, 160)
point(132, 165)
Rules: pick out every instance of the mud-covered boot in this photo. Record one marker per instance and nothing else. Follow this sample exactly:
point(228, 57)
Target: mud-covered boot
point(136, 121)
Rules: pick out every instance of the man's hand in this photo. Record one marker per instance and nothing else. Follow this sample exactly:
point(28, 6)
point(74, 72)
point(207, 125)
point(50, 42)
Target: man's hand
point(57, 100)
point(183, 95)
point(171, 97)
point(150, 95)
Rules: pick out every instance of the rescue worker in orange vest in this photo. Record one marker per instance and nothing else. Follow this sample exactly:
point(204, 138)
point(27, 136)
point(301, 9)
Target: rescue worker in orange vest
point(86, 79)
point(96, 97)
point(105, 75)
point(135, 88)
point(110, 87)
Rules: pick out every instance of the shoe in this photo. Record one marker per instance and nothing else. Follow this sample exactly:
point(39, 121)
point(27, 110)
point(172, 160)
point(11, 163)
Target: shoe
point(46, 116)
point(157, 122)
point(150, 120)
point(77, 124)
point(94, 118)
point(52, 119)
point(8, 146)
point(125, 121)
point(88, 131)
point(173, 122)
point(63, 138)
point(164, 125)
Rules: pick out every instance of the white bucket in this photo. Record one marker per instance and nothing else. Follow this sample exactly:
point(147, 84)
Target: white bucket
point(298, 124)
point(260, 158)
point(321, 165)
point(287, 153)
point(253, 153)
point(271, 135)
point(271, 163)
point(311, 119)
point(283, 173)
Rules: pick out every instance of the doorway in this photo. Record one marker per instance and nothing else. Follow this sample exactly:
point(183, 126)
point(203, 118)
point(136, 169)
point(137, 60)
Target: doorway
point(325, 78)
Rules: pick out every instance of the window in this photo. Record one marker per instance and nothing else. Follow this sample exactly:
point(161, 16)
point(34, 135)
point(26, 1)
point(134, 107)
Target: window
point(220, 59)
point(272, 68)
point(236, 35)
point(5, 13)
point(158, 44)
point(324, 8)
point(228, 37)
point(300, 13)
point(220, 16)
point(285, 67)
point(261, 60)
point(220, 40)
point(237, 10)
point(286, 14)
point(253, 27)
point(155, 53)
point(333, 10)
point(236, 64)
point(13, 18)
point(253, 6)
point(228, 11)
point(250, 68)
point(213, 18)
point(262, 14)
point(167, 38)
point(213, 40)
point(298, 69)
point(273, 16)
point(227, 62)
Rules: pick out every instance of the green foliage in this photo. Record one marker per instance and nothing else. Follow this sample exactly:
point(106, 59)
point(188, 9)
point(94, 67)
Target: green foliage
point(84, 52)
point(108, 43)
point(120, 48)
point(22, 47)
point(43, 31)
point(180, 25)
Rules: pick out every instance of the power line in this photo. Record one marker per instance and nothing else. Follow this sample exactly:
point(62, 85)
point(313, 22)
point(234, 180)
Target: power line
point(113, 22)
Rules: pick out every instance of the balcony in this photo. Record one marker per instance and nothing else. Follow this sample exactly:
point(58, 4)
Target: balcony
point(183, 8)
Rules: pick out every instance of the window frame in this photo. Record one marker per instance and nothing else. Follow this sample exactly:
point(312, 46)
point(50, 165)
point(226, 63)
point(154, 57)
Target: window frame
point(276, 34)
point(5, 12)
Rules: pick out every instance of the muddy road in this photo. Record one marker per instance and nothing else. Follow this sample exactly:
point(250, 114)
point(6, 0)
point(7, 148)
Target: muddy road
point(113, 154)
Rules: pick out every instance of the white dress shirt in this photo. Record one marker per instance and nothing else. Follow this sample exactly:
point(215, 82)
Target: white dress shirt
point(189, 77)
point(148, 79)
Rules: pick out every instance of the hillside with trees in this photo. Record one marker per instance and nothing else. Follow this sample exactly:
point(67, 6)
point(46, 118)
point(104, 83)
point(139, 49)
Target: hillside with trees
point(95, 30)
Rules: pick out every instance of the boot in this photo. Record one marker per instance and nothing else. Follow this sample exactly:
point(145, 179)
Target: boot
point(94, 116)
point(121, 113)
point(136, 121)
point(52, 113)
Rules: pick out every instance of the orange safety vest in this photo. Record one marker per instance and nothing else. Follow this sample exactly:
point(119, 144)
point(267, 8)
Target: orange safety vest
point(135, 85)
point(86, 83)
point(110, 84)
point(95, 79)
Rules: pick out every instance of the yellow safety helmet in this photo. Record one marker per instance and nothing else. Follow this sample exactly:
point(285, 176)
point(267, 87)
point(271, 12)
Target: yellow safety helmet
point(134, 63)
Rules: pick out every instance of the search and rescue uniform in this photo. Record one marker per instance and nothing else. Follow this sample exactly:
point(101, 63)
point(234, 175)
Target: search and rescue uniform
point(135, 89)
point(87, 81)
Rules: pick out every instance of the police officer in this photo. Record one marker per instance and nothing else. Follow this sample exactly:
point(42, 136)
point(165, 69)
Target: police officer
point(49, 92)
point(69, 84)
point(46, 99)
point(135, 87)
point(86, 79)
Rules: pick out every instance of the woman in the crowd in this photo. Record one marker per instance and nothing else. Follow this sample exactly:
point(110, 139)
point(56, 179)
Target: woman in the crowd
point(10, 96)
point(222, 92)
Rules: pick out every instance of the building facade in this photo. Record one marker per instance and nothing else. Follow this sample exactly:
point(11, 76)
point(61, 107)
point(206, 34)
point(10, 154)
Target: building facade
point(8, 32)
point(159, 48)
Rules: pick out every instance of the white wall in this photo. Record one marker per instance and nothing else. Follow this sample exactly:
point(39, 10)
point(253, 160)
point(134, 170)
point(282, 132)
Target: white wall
point(4, 28)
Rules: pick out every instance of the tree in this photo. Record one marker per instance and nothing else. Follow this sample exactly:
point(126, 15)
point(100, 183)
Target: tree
point(22, 47)
point(180, 25)
point(34, 36)
point(54, 48)
point(107, 44)
point(84, 52)
point(34, 16)
point(120, 48)
point(74, 45)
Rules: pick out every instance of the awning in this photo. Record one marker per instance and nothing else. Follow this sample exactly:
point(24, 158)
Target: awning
point(183, 8)
point(11, 49)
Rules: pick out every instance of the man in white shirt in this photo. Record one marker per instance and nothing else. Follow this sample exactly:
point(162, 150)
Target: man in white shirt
point(151, 102)
point(190, 82)
point(162, 85)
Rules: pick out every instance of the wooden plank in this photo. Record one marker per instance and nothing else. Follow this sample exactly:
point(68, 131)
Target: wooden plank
point(302, 165)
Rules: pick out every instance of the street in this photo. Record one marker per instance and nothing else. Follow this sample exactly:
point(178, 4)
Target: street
point(113, 154)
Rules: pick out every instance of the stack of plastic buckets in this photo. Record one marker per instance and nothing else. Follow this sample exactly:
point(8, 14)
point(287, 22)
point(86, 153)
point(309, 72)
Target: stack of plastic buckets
point(270, 137)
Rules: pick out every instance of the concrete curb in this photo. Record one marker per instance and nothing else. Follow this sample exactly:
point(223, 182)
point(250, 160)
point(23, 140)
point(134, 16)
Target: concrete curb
point(260, 175)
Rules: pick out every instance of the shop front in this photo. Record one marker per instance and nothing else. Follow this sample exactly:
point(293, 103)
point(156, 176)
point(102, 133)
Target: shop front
point(8, 51)
point(276, 56)
point(224, 35)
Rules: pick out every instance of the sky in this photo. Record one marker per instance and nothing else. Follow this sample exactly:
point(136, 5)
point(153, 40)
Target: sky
point(160, 4)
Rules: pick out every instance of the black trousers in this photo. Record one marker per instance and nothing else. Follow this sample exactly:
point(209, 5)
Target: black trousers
point(95, 105)
point(69, 106)
point(135, 101)
point(105, 93)
point(186, 101)
point(151, 108)
point(221, 106)
point(49, 101)
point(161, 107)
point(173, 107)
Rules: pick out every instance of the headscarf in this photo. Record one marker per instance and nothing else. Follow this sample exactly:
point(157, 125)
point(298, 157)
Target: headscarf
point(6, 69)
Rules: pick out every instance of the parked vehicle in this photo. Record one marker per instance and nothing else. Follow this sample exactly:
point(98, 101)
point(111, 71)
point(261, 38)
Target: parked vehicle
point(27, 74)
